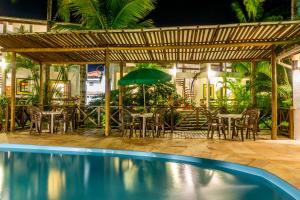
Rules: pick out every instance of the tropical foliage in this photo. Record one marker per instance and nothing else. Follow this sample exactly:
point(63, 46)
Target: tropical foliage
point(104, 14)
point(253, 10)
point(155, 95)
point(250, 11)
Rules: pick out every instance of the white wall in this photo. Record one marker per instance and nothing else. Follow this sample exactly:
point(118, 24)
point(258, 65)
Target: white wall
point(296, 97)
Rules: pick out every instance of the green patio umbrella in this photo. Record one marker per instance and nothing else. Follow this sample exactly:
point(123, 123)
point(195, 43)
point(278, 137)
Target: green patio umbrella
point(145, 76)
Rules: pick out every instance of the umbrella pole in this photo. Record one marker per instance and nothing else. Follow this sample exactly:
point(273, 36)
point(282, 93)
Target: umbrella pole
point(144, 96)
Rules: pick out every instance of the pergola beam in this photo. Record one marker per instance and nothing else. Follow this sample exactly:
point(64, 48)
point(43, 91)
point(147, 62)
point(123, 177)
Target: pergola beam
point(139, 48)
point(155, 61)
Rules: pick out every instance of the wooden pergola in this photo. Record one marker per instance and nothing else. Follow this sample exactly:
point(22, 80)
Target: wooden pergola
point(189, 44)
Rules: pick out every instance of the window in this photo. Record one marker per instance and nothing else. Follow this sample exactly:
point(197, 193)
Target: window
point(211, 91)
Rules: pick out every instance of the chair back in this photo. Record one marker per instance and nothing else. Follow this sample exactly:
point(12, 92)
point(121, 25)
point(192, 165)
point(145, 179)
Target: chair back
point(35, 113)
point(210, 116)
point(69, 113)
point(250, 118)
point(222, 110)
point(127, 116)
point(159, 114)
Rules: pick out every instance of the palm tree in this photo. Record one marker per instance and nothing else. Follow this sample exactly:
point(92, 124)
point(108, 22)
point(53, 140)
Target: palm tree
point(253, 10)
point(104, 14)
point(250, 10)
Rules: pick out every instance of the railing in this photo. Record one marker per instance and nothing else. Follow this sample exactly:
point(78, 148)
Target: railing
point(176, 118)
point(286, 122)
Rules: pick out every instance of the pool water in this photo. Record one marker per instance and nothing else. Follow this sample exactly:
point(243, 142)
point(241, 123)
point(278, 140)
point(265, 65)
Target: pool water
point(27, 175)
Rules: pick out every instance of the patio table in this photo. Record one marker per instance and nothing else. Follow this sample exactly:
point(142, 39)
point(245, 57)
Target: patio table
point(144, 116)
point(229, 117)
point(52, 115)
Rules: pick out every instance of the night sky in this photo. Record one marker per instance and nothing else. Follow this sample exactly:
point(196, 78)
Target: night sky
point(167, 13)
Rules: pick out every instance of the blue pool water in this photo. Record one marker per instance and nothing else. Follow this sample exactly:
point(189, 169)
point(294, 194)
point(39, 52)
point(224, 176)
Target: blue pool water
point(31, 173)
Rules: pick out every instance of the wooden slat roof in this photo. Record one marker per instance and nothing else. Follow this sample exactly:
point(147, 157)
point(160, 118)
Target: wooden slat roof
point(190, 44)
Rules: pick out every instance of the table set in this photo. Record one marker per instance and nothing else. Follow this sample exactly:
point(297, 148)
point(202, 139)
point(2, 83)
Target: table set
point(52, 115)
point(144, 116)
point(229, 117)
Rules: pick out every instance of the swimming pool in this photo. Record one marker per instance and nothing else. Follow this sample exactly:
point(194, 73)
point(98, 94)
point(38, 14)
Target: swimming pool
point(45, 172)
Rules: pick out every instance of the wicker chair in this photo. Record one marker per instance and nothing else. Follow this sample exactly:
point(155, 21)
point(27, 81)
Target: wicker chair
point(248, 123)
point(131, 124)
point(66, 119)
point(35, 119)
point(157, 123)
point(214, 124)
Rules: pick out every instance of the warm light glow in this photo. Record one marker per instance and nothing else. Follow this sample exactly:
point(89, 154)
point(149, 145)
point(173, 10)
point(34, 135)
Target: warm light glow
point(210, 73)
point(298, 64)
point(3, 64)
point(174, 71)
point(56, 183)
point(1, 178)
point(296, 75)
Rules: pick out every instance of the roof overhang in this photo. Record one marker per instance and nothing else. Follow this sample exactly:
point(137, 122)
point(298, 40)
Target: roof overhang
point(189, 44)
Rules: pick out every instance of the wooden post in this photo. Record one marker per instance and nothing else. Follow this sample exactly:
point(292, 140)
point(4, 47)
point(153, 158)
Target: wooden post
point(42, 78)
point(207, 87)
point(82, 85)
point(99, 117)
point(274, 95)
point(121, 112)
point(107, 94)
point(6, 118)
point(122, 65)
point(13, 93)
point(3, 81)
point(172, 121)
point(291, 123)
point(252, 80)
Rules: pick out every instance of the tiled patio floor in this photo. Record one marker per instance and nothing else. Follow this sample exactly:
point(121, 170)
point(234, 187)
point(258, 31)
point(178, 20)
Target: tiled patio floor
point(280, 157)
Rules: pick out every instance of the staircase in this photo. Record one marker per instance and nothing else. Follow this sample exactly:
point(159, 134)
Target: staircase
point(189, 120)
point(189, 94)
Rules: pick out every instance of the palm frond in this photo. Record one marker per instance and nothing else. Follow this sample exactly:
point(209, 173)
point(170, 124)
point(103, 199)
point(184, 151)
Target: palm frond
point(254, 9)
point(273, 18)
point(144, 24)
point(132, 13)
point(88, 13)
point(66, 27)
point(264, 68)
point(63, 10)
point(236, 7)
point(242, 67)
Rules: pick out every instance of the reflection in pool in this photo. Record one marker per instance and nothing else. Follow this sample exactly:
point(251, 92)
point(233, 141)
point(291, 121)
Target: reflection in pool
point(32, 176)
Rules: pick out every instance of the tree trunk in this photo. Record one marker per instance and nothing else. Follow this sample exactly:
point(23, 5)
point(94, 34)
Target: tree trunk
point(293, 9)
point(49, 14)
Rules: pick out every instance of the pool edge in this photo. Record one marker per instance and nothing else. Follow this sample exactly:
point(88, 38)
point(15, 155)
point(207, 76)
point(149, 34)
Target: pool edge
point(268, 176)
